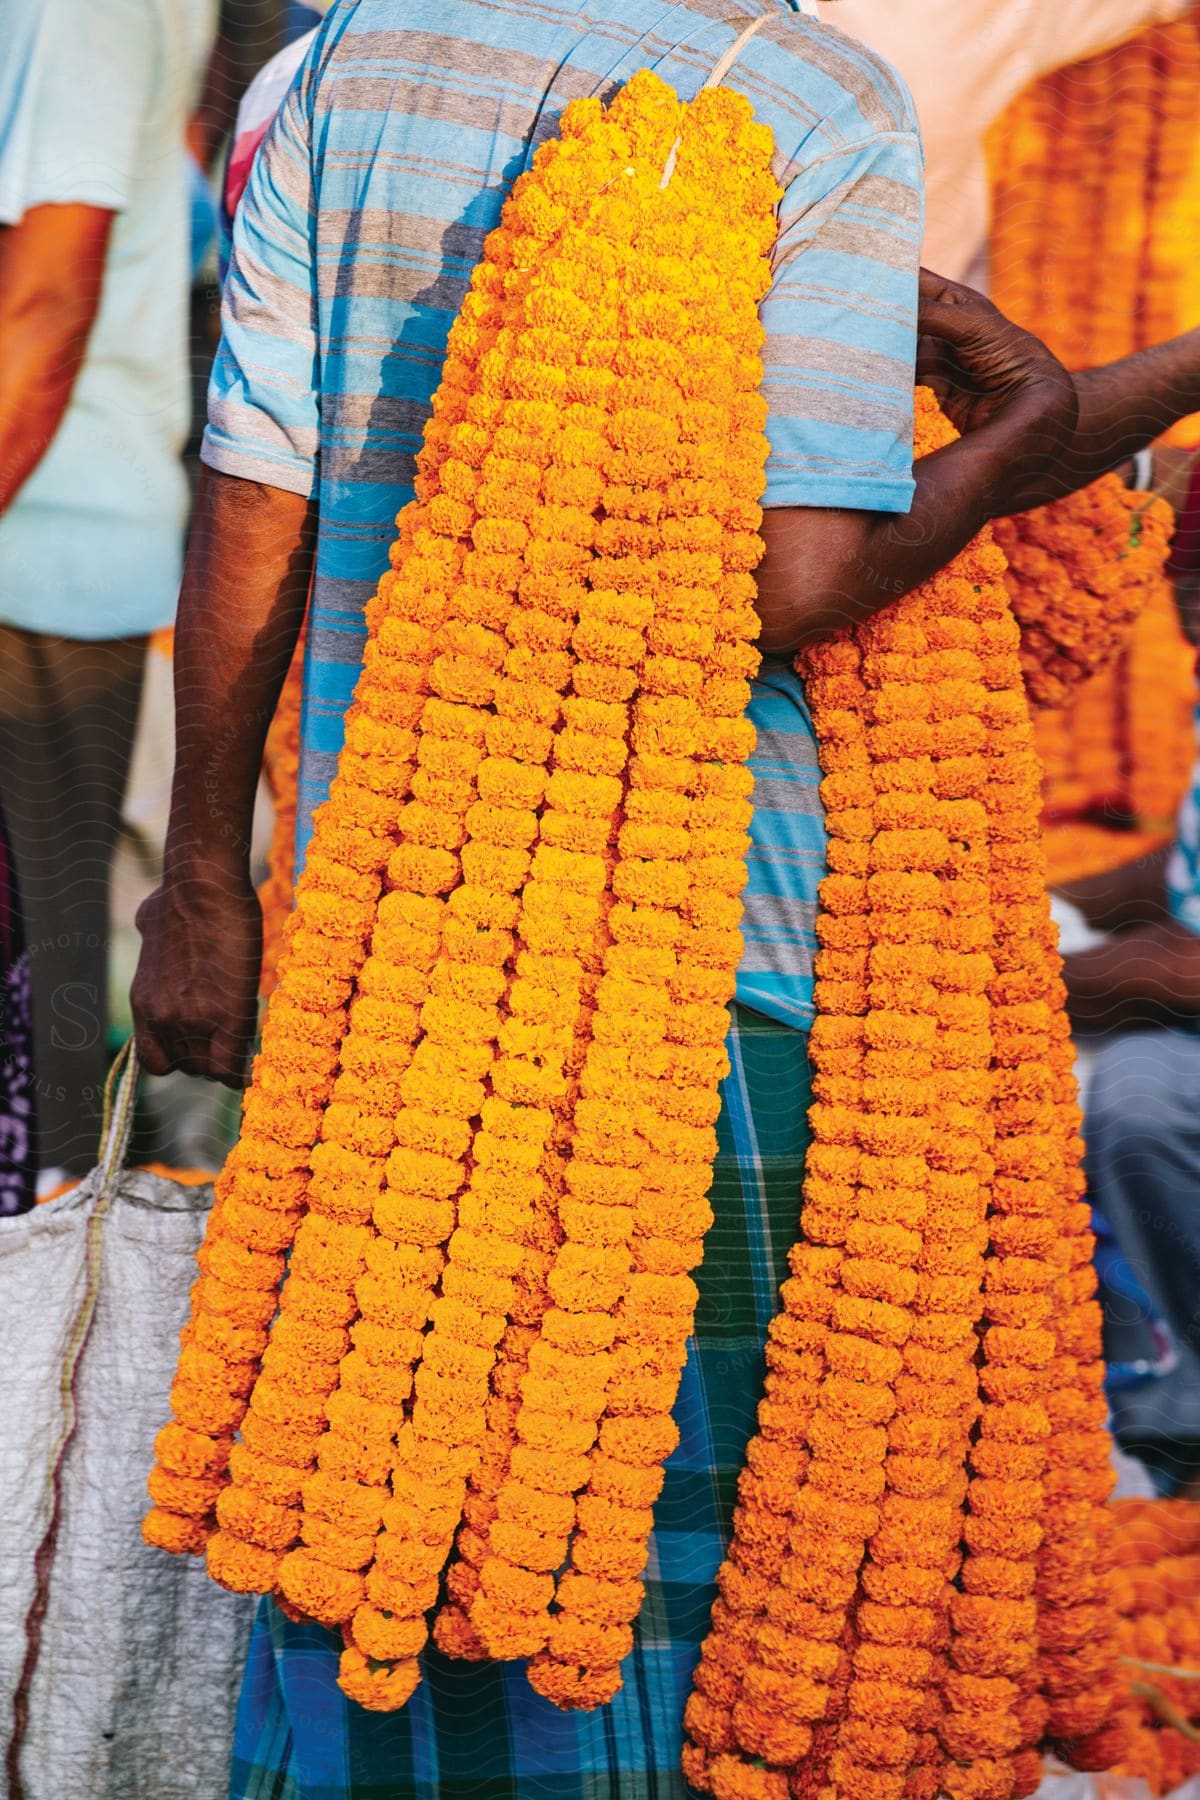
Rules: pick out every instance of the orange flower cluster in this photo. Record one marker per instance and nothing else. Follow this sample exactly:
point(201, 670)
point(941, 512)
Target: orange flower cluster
point(1093, 251)
point(1091, 247)
point(1078, 576)
point(1157, 1580)
point(281, 770)
point(481, 1129)
point(1117, 758)
point(912, 1598)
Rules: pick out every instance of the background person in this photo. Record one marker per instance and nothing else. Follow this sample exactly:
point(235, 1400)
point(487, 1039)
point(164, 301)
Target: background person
point(94, 103)
point(965, 61)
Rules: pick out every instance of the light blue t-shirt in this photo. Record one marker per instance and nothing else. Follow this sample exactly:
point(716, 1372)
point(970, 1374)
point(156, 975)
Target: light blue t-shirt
point(94, 101)
point(368, 204)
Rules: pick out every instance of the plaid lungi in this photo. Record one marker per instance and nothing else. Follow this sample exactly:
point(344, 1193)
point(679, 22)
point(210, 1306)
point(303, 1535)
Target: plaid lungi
point(478, 1731)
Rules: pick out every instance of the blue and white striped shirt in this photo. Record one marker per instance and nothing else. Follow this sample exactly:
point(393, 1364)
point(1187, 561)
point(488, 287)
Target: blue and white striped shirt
point(367, 208)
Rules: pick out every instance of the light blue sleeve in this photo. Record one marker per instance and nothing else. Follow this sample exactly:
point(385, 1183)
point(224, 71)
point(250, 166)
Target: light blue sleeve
point(75, 81)
point(264, 392)
point(841, 324)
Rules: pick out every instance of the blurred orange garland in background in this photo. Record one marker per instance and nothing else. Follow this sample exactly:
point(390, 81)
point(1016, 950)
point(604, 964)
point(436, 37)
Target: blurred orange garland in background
point(1096, 214)
point(1079, 575)
point(1157, 1593)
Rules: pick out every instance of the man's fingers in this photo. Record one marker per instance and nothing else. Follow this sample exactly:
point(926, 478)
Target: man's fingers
point(229, 1059)
point(934, 362)
point(151, 1055)
point(962, 326)
point(932, 287)
point(205, 1051)
point(953, 313)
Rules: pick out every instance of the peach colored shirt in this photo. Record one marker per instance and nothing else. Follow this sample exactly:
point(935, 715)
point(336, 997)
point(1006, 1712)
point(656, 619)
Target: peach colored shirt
point(964, 60)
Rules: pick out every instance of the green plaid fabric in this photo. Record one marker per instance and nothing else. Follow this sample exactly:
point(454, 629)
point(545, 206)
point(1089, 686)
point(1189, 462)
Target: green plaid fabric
point(479, 1732)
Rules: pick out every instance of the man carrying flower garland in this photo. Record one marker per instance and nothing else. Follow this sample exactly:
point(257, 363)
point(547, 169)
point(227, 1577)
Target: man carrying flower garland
point(366, 210)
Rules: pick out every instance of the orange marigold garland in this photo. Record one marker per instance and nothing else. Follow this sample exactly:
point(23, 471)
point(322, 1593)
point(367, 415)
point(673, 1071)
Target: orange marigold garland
point(1090, 250)
point(281, 770)
point(549, 965)
point(264, 1190)
point(895, 1616)
point(1156, 1587)
point(480, 1133)
point(413, 616)
point(1078, 576)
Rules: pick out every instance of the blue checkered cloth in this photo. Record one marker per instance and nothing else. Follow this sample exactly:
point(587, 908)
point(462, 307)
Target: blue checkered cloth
point(478, 1731)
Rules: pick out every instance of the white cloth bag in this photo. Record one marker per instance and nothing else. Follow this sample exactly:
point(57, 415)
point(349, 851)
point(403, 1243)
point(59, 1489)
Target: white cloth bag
point(119, 1665)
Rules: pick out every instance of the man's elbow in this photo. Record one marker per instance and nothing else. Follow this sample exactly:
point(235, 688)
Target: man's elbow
point(816, 577)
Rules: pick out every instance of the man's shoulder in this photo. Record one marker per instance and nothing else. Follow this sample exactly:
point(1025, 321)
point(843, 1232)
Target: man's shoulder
point(829, 83)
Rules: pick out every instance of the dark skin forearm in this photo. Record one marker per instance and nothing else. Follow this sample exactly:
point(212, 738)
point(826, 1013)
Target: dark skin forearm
point(1013, 404)
point(51, 275)
point(245, 588)
point(241, 605)
point(831, 569)
point(1122, 407)
point(827, 569)
point(1143, 977)
point(1124, 897)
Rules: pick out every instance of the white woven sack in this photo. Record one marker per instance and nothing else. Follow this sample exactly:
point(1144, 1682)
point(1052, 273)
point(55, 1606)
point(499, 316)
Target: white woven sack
point(119, 1665)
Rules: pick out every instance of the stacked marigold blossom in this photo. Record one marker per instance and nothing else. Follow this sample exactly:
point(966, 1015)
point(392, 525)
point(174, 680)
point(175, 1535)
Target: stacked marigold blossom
point(482, 1121)
point(906, 1609)
point(1092, 251)
point(1079, 573)
point(1157, 1556)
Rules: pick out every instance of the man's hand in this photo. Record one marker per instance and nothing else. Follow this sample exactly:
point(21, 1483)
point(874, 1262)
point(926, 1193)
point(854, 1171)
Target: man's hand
point(195, 994)
point(1014, 405)
point(988, 373)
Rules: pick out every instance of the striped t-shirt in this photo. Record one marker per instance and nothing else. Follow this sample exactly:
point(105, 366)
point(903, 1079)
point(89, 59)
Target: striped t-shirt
point(366, 210)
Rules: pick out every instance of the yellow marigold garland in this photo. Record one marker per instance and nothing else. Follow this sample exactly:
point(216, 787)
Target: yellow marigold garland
point(544, 756)
point(653, 558)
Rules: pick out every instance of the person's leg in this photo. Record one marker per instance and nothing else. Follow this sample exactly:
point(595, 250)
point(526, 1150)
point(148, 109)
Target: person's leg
point(1143, 1163)
point(68, 710)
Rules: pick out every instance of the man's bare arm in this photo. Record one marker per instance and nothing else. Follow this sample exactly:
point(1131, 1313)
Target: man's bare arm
point(827, 569)
point(51, 277)
point(245, 588)
point(1133, 894)
point(1022, 446)
point(1123, 406)
point(1143, 977)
